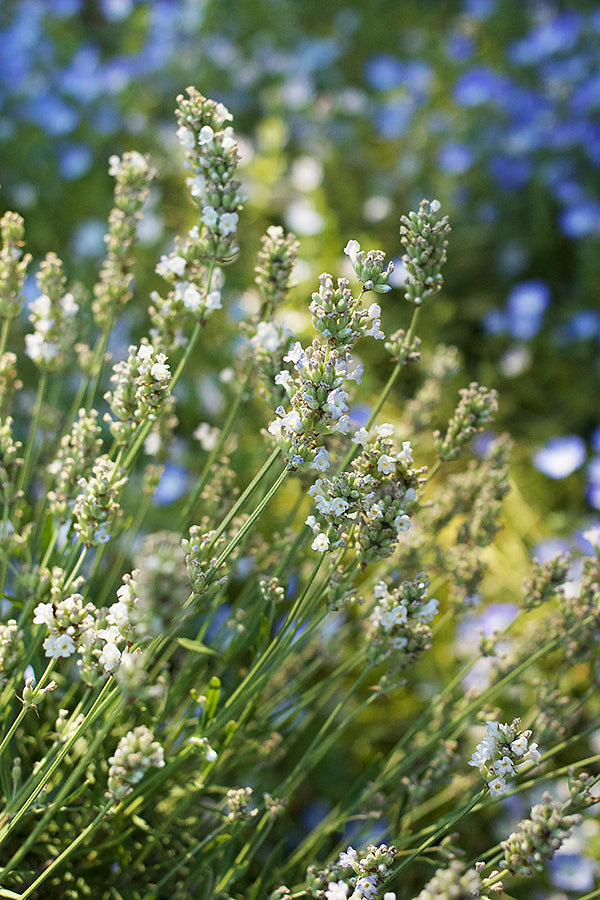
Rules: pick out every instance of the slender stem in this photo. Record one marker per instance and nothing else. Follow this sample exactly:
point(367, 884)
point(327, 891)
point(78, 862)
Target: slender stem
point(27, 705)
point(250, 520)
point(4, 335)
point(68, 850)
point(215, 453)
point(31, 438)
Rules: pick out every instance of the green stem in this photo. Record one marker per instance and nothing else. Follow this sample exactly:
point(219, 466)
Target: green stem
point(239, 536)
point(440, 832)
point(4, 335)
point(215, 453)
point(27, 705)
point(68, 850)
point(31, 438)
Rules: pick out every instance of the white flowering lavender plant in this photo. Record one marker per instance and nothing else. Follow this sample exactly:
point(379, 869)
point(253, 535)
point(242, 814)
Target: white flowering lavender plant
point(264, 693)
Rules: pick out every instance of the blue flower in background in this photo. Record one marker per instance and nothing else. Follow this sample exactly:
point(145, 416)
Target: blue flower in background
point(561, 456)
point(557, 35)
point(592, 493)
point(455, 159)
point(526, 305)
point(384, 72)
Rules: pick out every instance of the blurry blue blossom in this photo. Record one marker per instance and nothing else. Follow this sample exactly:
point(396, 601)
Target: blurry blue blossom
point(526, 305)
point(51, 113)
point(592, 493)
point(88, 239)
point(65, 9)
point(480, 85)
point(557, 35)
point(384, 72)
point(116, 10)
point(595, 439)
point(588, 538)
point(581, 221)
point(561, 456)
point(459, 46)
point(583, 325)
point(172, 485)
point(455, 159)
point(571, 871)
point(479, 9)
point(394, 117)
point(495, 322)
point(512, 173)
point(74, 161)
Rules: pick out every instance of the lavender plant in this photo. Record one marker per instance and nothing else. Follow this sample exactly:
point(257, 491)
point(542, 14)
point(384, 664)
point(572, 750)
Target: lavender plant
point(175, 701)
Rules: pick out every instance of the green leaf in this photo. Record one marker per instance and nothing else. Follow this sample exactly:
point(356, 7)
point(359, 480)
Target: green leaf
point(195, 646)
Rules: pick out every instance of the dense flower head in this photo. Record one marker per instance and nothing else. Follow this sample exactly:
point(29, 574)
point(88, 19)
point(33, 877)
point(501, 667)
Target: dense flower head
point(423, 235)
point(13, 264)
point(135, 754)
point(68, 621)
point(211, 153)
point(371, 505)
point(96, 506)
point(502, 753)
point(537, 838)
point(398, 627)
point(71, 463)
point(52, 314)
point(133, 174)
point(142, 387)
point(370, 871)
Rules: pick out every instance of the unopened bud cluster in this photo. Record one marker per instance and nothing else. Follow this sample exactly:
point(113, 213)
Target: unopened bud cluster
point(240, 807)
point(10, 462)
point(133, 174)
point(275, 262)
point(135, 754)
point(423, 235)
point(538, 838)
point(455, 882)
point(476, 409)
point(76, 449)
point(11, 649)
point(96, 507)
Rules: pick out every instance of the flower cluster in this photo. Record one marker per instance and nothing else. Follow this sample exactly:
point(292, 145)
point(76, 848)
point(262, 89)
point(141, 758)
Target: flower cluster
point(399, 624)
point(97, 507)
point(76, 448)
point(11, 649)
point(191, 269)
point(318, 399)
point(273, 269)
point(370, 873)
point(455, 882)
point(141, 389)
point(423, 235)
point(52, 314)
point(133, 174)
point(13, 265)
point(503, 752)
point(135, 753)
point(475, 410)
point(370, 505)
point(239, 805)
point(10, 462)
point(538, 838)
point(68, 621)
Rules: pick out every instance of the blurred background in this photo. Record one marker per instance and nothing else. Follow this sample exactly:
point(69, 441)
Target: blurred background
point(348, 115)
